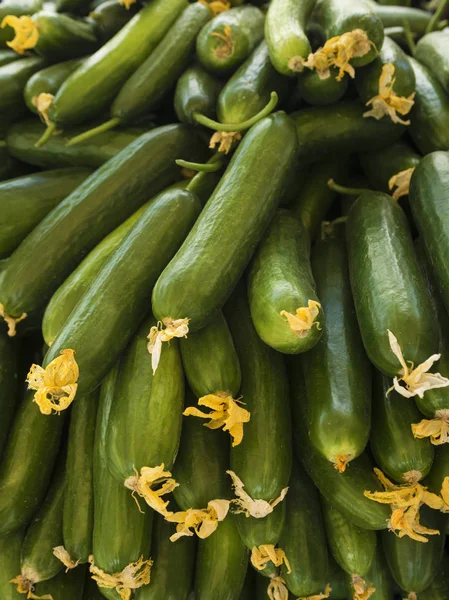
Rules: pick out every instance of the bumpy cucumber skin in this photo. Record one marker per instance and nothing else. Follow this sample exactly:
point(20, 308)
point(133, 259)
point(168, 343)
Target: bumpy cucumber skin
point(321, 92)
point(62, 37)
point(210, 360)
point(27, 200)
point(248, 90)
point(388, 287)
point(8, 385)
point(336, 371)
point(173, 568)
point(396, 450)
point(303, 538)
point(67, 586)
point(10, 547)
point(109, 17)
point(8, 56)
point(221, 564)
point(432, 51)
point(280, 278)
point(125, 183)
point(13, 78)
point(430, 114)
point(78, 501)
point(196, 92)
point(92, 87)
point(285, 33)
point(246, 24)
point(198, 281)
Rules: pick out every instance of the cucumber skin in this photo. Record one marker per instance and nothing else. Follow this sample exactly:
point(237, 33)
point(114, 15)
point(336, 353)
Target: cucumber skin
point(68, 586)
point(246, 23)
point(62, 37)
point(439, 587)
point(13, 78)
point(431, 51)
point(109, 17)
point(8, 386)
point(27, 200)
point(10, 546)
point(124, 183)
point(303, 538)
point(255, 532)
point(210, 360)
point(392, 16)
point(196, 92)
point(379, 575)
point(380, 165)
point(228, 220)
point(8, 56)
point(280, 278)
point(321, 92)
point(381, 252)
point(336, 371)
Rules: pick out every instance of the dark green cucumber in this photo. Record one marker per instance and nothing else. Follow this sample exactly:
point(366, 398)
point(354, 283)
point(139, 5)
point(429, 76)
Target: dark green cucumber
point(8, 385)
point(378, 576)
point(326, 131)
point(17, 8)
point(398, 453)
point(337, 580)
point(389, 289)
point(280, 283)
point(392, 16)
point(10, 167)
point(78, 502)
point(285, 34)
point(48, 80)
point(200, 278)
point(352, 547)
point(210, 360)
point(72, 6)
point(430, 115)
point(227, 41)
point(336, 371)
point(10, 547)
point(432, 51)
point(321, 92)
point(347, 200)
point(109, 17)
point(303, 538)
point(196, 92)
point(8, 56)
point(65, 586)
point(439, 588)
point(173, 567)
point(221, 564)
point(109, 196)
point(27, 200)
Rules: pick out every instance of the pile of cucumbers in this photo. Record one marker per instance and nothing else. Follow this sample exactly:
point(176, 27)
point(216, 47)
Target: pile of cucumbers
point(224, 299)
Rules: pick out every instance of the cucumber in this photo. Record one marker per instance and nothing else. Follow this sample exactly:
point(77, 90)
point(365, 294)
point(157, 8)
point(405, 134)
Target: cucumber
point(72, 6)
point(336, 371)
point(8, 56)
point(378, 577)
point(8, 386)
point(65, 586)
point(228, 220)
point(10, 546)
point(337, 578)
point(10, 167)
point(400, 456)
point(392, 16)
point(431, 51)
point(285, 34)
point(196, 92)
point(430, 114)
point(439, 471)
point(249, 89)
point(226, 42)
point(352, 547)
point(16, 8)
point(303, 538)
point(221, 564)
point(210, 360)
point(27, 200)
point(109, 17)
point(439, 588)
point(321, 92)
point(377, 228)
point(173, 567)
point(285, 307)
point(78, 500)
point(41, 263)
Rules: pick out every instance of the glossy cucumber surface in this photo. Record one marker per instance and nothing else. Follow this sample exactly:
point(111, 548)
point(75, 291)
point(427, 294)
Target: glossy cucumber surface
point(432, 51)
point(321, 92)
point(196, 92)
point(109, 17)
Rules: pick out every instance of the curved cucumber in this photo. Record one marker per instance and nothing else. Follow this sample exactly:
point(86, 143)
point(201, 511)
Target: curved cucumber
point(228, 220)
point(321, 92)
point(431, 51)
point(8, 386)
point(285, 308)
point(109, 17)
point(196, 92)
point(10, 547)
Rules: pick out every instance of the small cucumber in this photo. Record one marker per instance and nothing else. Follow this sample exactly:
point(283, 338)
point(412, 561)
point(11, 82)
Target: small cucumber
point(27, 200)
point(321, 92)
point(432, 52)
point(398, 453)
point(336, 371)
point(228, 220)
point(17, 8)
point(303, 538)
point(439, 588)
point(210, 360)
point(285, 34)
point(65, 586)
point(352, 547)
point(109, 17)
point(377, 228)
point(10, 547)
point(285, 308)
point(196, 92)
point(8, 56)
point(226, 42)
point(8, 385)
point(13, 78)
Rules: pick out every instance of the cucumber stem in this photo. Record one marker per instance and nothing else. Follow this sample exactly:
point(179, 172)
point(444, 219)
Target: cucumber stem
point(236, 127)
point(200, 167)
point(409, 38)
point(46, 136)
point(82, 137)
point(341, 189)
point(433, 23)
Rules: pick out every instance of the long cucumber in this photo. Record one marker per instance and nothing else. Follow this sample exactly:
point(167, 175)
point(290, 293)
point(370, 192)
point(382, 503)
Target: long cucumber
point(8, 386)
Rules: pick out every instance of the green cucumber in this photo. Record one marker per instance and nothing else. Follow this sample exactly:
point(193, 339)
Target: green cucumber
point(439, 587)
point(398, 453)
point(109, 17)
point(352, 547)
point(10, 547)
point(226, 42)
point(72, 6)
point(8, 386)
point(393, 16)
point(336, 371)
point(377, 228)
point(337, 580)
point(48, 80)
point(285, 34)
point(347, 200)
point(431, 51)
point(303, 538)
point(8, 56)
point(249, 89)
point(78, 501)
point(17, 8)
point(221, 564)
point(379, 577)
point(10, 167)
point(65, 586)
point(210, 360)
point(321, 92)
point(196, 92)
point(200, 269)
point(280, 284)
point(430, 115)
point(112, 193)
point(326, 131)
point(27, 200)
point(439, 471)
point(173, 567)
